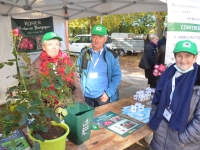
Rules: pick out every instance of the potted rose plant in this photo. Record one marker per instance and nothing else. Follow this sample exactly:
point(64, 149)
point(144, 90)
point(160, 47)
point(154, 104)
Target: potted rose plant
point(39, 107)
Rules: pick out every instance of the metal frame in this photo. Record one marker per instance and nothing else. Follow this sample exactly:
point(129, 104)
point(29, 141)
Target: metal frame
point(30, 8)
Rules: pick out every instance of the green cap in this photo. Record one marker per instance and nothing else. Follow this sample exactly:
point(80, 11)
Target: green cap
point(186, 46)
point(99, 30)
point(51, 35)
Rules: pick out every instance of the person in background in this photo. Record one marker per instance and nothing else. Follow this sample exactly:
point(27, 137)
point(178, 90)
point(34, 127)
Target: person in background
point(160, 58)
point(100, 75)
point(146, 40)
point(175, 114)
point(151, 53)
point(163, 40)
point(51, 53)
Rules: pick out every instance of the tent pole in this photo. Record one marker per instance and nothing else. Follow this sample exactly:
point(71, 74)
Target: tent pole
point(101, 19)
point(66, 34)
point(65, 8)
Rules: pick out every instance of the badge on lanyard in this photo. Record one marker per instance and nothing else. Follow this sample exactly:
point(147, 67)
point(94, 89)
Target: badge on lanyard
point(93, 75)
point(167, 113)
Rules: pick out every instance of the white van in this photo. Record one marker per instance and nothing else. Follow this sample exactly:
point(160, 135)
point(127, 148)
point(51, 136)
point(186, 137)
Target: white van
point(80, 41)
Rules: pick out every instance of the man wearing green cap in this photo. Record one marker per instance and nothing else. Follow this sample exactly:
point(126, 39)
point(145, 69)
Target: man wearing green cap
point(175, 114)
point(101, 74)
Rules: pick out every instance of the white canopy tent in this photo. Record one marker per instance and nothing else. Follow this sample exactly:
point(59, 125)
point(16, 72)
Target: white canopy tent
point(78, 8)
point(61, 10)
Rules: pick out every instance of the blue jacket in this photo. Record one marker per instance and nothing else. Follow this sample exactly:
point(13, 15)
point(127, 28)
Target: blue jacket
point(114, 71)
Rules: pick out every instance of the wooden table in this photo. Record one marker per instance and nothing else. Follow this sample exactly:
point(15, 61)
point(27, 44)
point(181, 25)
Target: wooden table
point(104, 139)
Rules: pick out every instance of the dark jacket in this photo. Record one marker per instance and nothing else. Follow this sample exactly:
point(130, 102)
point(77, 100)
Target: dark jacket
point(160, 58)
point(161, 42)
point(151, 53)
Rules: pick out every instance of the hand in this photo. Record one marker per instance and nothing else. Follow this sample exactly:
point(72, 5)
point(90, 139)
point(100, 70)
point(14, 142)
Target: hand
point(104, 97)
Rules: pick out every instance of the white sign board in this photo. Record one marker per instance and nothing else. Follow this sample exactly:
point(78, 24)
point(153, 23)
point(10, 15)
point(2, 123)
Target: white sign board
point(183, 24)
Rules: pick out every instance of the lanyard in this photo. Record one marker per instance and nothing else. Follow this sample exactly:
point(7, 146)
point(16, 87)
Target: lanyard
point(95, 63)
point(173, 86)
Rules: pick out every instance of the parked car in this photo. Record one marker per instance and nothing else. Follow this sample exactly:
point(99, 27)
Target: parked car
point(80, 41)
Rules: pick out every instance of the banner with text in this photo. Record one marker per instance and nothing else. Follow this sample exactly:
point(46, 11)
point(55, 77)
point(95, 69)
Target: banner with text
point(32, 31)
point(183, 24)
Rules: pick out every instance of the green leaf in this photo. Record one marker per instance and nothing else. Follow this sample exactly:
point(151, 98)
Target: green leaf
point(32, 125)
point(14, 52)
point(9, 63)
point(11, 89)
point(8, 117)
point(16, 97)
point(88, 56)
point(23, 119)
point(37, 136)
point(54, 117)
point(57, 85)
point(43, 128)
point(35, 103)
point(59, 110)
point(26, 58)
point(64, 112)
point(67, 70)
point(36, 146)
point(59, 79)
point(49, 65)
point(8, 104)
point(34, 111)
point(1, 65)
point(46, 84)
point(8, 129)
point(12, 60)
point(47, 113)
point(13, 143)
point(21, 108)
point(51, 92)
point(24, 67)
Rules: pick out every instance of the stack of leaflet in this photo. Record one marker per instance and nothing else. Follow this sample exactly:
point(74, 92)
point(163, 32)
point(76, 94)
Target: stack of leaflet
point(138, 112)
point(142, 95)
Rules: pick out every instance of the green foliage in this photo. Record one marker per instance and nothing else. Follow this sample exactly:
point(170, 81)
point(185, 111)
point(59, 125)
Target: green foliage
point(36, 97)
point(137, 23)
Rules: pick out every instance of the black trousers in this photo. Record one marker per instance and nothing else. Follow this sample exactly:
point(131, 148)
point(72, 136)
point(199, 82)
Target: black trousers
point(94, 102)
point(152, 80)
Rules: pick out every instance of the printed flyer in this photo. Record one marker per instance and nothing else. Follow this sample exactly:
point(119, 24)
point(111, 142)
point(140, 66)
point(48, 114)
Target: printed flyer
point(116, 123)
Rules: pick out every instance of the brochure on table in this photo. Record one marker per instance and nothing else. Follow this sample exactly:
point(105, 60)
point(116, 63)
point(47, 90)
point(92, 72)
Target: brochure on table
point(138, 112)
point(117, 124)
point(20, 141)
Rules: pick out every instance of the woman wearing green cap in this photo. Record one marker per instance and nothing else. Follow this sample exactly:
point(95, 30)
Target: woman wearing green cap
point(52, 54)
point(175, 114)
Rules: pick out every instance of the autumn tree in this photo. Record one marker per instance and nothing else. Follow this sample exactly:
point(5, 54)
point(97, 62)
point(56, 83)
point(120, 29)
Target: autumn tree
point(160, 19)
point(138, 23)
